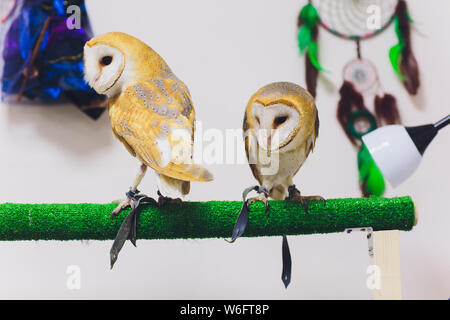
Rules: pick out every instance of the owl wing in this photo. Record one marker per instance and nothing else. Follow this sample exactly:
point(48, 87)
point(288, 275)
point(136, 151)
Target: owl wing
point(154, 119)
point(253, 167)
point(311, 141)
point(315, 134)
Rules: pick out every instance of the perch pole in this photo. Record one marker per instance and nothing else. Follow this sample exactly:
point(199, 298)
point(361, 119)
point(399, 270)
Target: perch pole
point(215, 219)
point(212, 219)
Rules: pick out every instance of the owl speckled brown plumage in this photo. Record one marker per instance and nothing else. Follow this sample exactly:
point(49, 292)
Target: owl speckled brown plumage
point(150, 109)
point(280, 127)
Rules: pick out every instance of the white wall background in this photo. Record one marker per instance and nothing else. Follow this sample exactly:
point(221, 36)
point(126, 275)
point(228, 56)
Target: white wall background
point(224, 51)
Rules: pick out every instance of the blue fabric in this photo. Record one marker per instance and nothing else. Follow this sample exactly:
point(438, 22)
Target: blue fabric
point(57, 70)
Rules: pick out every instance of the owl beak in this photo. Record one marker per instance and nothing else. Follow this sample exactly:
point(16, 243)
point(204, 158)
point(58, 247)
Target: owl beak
point(269, 144)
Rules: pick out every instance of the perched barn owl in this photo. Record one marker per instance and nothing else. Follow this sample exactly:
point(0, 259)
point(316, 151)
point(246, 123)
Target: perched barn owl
point(150, 109)
point(280, 127)
point(281, 124)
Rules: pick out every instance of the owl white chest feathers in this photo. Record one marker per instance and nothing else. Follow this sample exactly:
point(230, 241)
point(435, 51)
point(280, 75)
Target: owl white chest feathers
point(280, 129)
point(276, 172)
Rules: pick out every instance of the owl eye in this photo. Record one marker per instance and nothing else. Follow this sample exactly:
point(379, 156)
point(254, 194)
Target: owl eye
point(279, 121)
point(106, 60)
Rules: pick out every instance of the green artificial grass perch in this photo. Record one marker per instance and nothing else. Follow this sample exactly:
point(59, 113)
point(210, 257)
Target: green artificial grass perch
point(212, 219)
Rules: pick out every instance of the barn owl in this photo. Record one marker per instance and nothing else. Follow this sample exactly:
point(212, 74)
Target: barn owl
point(281, 124)
point(151, 112)
point(280, 127)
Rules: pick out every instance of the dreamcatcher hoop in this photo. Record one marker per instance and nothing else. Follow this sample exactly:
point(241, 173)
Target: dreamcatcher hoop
point(358, 20)
point(325, 6)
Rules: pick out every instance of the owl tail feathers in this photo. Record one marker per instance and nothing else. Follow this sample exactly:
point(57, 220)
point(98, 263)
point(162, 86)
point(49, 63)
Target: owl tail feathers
point(186, 172)
point(200, 173)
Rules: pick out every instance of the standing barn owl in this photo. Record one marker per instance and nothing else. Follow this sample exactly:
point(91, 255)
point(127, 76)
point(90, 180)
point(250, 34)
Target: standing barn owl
point(280, 127)
point(281, 123)
point(151, 113)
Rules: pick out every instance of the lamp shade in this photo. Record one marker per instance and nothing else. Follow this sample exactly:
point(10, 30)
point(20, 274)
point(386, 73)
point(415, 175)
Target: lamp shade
point(394, 151)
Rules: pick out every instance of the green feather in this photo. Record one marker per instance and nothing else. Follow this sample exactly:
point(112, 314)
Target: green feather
point(398, 31)
point(395, 53)
point(304, 38)
point(313, 56)
point(309, 15)
point(370, 173)
point(310, 18)
point(375, 181)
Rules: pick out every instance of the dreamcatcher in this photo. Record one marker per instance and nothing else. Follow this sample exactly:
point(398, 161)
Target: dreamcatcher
point(42, 57)
point(357, 20)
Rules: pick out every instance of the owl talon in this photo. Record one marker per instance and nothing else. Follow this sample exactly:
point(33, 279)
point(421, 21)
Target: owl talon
point(295, 195)
point(317, 198)
point(261, 198)
point(122, 206)
point(130, 201)
point(164, 200)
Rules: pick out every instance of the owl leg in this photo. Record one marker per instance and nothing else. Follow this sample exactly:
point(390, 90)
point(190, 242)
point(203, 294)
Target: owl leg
point(131, 199)
point(295, 195)
point(128, 227)
point(162, 200)
point(241, 222)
